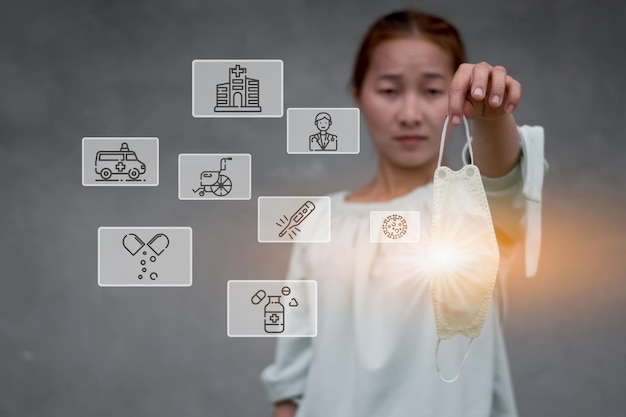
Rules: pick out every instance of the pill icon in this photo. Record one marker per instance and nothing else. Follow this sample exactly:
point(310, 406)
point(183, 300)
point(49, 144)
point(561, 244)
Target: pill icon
point(132, 243)
point(159, 243)
point(258, 297)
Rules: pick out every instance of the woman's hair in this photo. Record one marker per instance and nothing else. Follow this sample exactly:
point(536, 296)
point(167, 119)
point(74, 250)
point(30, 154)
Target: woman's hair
point(403, 24)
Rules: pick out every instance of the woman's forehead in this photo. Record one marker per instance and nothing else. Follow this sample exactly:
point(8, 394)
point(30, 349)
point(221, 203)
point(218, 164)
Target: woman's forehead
point(418, 55)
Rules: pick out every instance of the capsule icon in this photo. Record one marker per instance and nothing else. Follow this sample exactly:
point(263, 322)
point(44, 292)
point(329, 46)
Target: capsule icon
point(258, 297)
point(159, 243)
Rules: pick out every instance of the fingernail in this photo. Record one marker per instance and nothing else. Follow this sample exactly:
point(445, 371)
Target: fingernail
point(509, 108)
point(495, 99)
point(478, 91)
point(456, 120)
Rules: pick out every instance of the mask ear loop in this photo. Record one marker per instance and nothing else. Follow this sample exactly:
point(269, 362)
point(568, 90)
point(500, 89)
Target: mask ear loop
point(443, 140)
point(458, 372)
point(471, 153)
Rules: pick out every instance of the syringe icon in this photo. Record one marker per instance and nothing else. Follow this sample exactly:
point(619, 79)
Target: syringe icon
point(296, 219)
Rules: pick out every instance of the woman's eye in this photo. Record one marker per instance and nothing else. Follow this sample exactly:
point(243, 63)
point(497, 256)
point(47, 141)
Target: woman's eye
point(389, 91)
point(433, 92)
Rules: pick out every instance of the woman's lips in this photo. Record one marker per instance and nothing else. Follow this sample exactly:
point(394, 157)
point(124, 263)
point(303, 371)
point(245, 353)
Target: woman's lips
point(410, 139)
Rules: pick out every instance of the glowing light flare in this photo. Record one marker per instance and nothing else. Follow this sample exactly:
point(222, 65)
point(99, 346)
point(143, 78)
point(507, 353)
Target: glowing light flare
point(446, 260)
point(459, 249)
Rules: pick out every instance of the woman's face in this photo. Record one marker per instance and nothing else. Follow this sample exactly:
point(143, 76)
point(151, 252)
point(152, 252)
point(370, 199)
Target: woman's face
point(404, 100)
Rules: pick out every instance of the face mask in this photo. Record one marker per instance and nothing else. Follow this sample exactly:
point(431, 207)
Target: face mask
point(463, 253)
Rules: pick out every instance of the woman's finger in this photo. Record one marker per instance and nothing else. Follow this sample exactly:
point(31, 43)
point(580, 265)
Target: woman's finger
point(497, 86)
point(457, 92)
point(480, 81)
point(514, 94)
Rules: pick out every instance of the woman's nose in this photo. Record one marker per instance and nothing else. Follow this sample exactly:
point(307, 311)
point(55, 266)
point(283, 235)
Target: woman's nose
point(410, 112)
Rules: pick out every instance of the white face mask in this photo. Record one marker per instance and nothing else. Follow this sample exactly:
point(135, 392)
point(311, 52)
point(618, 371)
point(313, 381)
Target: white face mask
point(463, 253)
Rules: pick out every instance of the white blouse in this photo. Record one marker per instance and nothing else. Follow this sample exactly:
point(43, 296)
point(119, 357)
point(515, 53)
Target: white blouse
point(374, 353)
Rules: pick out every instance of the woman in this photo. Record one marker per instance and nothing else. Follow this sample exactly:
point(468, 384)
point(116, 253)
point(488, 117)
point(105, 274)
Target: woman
point(375, 349)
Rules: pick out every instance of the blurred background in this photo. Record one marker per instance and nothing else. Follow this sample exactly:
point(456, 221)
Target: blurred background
point(72, 69)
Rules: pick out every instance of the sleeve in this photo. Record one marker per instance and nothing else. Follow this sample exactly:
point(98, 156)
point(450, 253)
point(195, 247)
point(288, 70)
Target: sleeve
point(515, 198)
point(285, 378)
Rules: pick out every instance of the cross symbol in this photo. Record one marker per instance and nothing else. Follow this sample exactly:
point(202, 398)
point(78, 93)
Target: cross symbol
point(274, 318)
point(120, 166)
point(238, 70)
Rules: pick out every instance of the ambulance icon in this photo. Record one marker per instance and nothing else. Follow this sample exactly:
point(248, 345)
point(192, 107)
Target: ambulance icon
point(122, 162)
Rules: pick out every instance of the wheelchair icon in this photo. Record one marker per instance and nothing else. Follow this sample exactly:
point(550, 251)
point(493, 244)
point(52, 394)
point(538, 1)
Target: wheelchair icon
point(215, 182)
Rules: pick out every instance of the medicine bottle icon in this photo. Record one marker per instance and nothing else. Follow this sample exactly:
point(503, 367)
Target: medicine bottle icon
point(274, 315)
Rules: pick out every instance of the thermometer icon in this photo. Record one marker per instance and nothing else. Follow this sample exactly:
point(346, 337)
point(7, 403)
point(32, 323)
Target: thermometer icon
point(296, 219)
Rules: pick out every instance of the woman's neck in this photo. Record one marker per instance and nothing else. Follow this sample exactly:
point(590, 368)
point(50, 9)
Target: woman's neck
point(392, 181)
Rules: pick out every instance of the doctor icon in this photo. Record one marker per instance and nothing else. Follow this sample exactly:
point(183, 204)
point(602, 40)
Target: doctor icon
point(323, 141)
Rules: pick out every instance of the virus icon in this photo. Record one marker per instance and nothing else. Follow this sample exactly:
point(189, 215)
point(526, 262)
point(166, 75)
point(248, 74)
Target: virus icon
point(394, 226)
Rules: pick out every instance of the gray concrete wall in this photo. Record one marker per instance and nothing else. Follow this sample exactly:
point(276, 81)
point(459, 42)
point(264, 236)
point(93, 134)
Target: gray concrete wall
point(95, 68)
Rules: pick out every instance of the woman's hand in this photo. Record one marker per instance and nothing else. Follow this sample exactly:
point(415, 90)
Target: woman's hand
point(481, 91)
point(285, 409)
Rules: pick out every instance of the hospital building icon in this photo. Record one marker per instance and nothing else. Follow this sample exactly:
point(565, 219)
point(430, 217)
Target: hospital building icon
point(239, 94)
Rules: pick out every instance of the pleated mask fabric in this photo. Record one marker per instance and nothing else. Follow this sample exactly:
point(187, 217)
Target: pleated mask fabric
point(463, 254)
